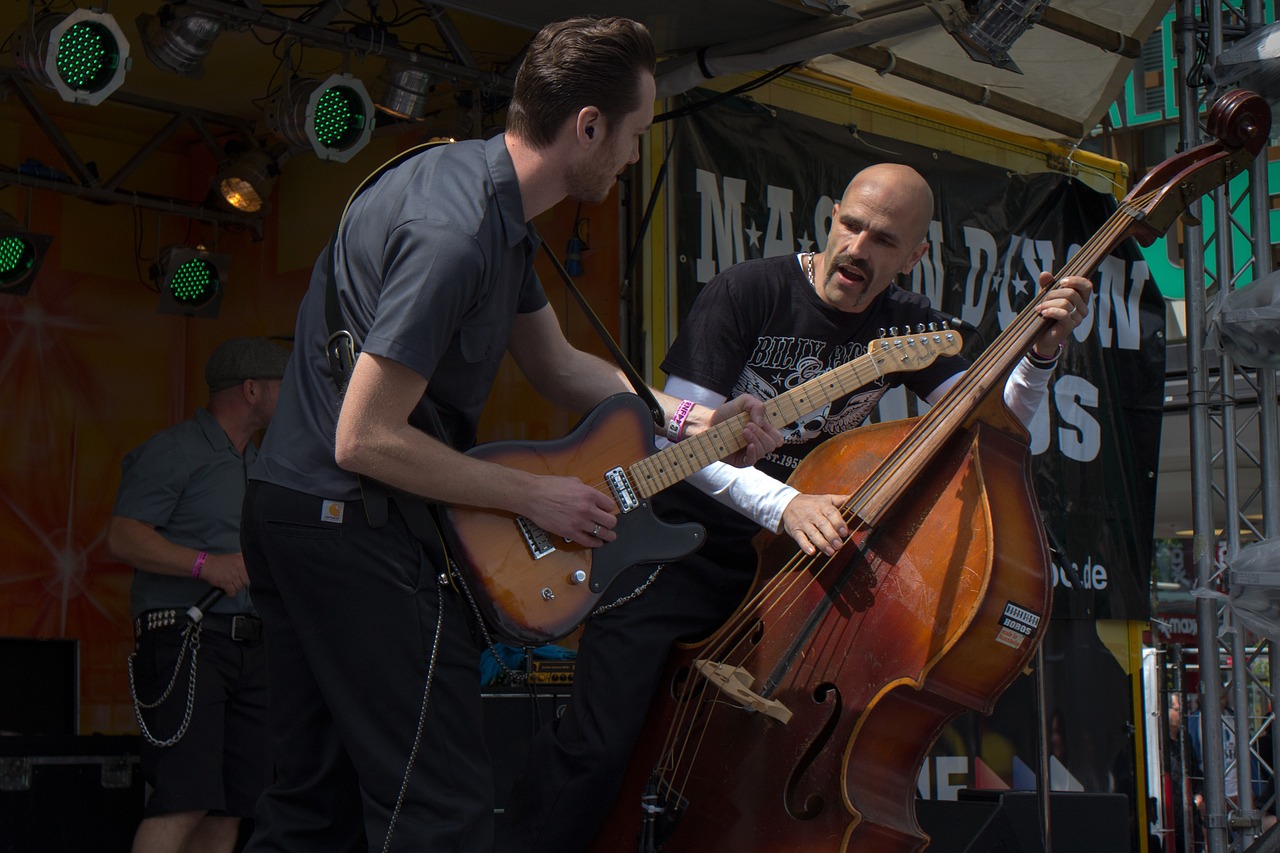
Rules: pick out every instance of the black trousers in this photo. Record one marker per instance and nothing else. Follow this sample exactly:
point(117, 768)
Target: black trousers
point(576, 762)
point(353, 618)
point(219, 764)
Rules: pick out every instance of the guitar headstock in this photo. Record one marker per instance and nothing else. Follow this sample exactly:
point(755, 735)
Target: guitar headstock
point(1240, 122)
point(913, 351)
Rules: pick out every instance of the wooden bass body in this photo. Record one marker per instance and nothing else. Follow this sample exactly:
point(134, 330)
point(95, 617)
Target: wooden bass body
point(930, 615)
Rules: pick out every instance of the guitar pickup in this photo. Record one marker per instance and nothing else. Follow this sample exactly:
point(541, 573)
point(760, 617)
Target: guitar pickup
point(623, 494)
point(534, 537)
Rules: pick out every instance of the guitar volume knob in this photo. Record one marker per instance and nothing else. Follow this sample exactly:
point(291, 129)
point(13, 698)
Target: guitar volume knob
point(578, 577)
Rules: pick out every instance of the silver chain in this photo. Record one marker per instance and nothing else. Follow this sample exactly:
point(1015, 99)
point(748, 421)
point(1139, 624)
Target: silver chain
point(522, 677)
point(191, 639)
point(515, 677)
point(605, 608)
point(422, 715)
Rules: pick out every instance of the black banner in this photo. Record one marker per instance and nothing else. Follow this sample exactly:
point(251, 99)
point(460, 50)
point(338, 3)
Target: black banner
point(754, 182)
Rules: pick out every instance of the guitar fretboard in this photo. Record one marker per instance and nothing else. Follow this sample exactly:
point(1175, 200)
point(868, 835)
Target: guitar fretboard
point(891, 355)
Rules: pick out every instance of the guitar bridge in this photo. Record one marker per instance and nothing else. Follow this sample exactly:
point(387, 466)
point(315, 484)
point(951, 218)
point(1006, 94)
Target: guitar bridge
point(623, 493)
point(535, 538)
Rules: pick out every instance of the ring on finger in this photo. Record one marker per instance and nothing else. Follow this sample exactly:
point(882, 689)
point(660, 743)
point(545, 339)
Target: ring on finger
point(1072, 312)
point(595, 530)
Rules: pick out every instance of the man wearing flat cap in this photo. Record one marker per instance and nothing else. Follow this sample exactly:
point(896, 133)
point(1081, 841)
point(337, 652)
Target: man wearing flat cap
point(177, 522)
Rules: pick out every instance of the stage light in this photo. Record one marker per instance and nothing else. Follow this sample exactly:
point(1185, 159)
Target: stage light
point(191, 280)
point(986, 29)
point(403, 90)
point(178, 42)
point(1252, 63)
point(244, 182)
point(82, 55)
point(333, 116)
point(21, 253)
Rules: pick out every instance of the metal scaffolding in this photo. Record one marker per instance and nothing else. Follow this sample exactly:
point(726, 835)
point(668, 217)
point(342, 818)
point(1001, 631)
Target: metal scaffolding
point(1233, 432)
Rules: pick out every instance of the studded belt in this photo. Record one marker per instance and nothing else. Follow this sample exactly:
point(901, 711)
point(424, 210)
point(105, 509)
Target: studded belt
point(240, 627)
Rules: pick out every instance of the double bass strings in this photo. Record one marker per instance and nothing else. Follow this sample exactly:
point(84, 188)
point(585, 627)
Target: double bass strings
point(730, 645)
point(985, 376)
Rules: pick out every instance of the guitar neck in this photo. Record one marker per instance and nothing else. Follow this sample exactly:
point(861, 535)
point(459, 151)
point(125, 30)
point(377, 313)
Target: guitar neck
point(679, 461)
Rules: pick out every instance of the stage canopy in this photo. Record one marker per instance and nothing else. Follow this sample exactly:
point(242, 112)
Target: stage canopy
point(1054, 80)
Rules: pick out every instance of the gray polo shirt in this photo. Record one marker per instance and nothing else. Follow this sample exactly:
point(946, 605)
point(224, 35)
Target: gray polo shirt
point(188, 481)
point(433, 262)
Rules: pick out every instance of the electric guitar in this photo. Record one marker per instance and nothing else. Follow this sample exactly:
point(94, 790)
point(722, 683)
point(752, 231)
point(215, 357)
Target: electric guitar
point(534, 588)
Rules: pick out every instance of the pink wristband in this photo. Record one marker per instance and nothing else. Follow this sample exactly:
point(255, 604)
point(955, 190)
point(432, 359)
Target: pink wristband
point(675, 426)
point(198, 564)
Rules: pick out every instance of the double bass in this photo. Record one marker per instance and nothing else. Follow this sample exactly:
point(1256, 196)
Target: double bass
point(801, 724)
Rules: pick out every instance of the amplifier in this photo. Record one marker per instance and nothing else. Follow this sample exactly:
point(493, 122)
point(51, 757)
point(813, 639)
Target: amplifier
point(551, 672)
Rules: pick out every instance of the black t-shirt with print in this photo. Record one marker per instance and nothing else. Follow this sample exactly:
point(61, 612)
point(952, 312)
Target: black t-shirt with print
point(760, 328)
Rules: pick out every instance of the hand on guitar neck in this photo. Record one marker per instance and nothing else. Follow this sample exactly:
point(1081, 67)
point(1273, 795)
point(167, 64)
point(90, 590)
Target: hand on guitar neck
point(561, 506)
point(759, 435)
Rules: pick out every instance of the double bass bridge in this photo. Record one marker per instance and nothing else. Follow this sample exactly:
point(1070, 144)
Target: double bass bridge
point(735, 682)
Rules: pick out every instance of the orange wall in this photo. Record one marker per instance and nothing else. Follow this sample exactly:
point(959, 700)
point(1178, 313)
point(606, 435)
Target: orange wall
point(89, 370)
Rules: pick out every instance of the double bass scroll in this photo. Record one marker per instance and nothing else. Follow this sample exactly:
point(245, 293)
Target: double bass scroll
point(802, 723)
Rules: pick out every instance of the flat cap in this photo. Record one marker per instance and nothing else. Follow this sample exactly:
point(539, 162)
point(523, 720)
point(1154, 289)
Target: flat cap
point(237, 359)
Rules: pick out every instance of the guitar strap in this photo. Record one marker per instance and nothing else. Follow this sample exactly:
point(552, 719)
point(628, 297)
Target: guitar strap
point(633, 376)
point(340, 353)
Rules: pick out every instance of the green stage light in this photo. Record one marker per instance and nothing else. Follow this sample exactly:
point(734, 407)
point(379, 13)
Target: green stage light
point(191, 280)
point(83, 55)
point(334, 117)
point(21, 253)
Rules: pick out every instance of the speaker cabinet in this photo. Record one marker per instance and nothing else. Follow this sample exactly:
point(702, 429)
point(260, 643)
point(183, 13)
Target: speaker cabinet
point(511, 716)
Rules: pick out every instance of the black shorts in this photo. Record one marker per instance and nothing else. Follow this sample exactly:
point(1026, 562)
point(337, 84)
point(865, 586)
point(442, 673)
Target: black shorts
point(219, 765)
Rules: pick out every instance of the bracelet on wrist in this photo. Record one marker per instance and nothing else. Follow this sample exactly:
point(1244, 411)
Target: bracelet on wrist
point(675, 426)
point(1035, 359)
point(199, 563)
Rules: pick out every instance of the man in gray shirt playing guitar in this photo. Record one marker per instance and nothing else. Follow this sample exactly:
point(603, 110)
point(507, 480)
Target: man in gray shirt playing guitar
point(375, 711)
